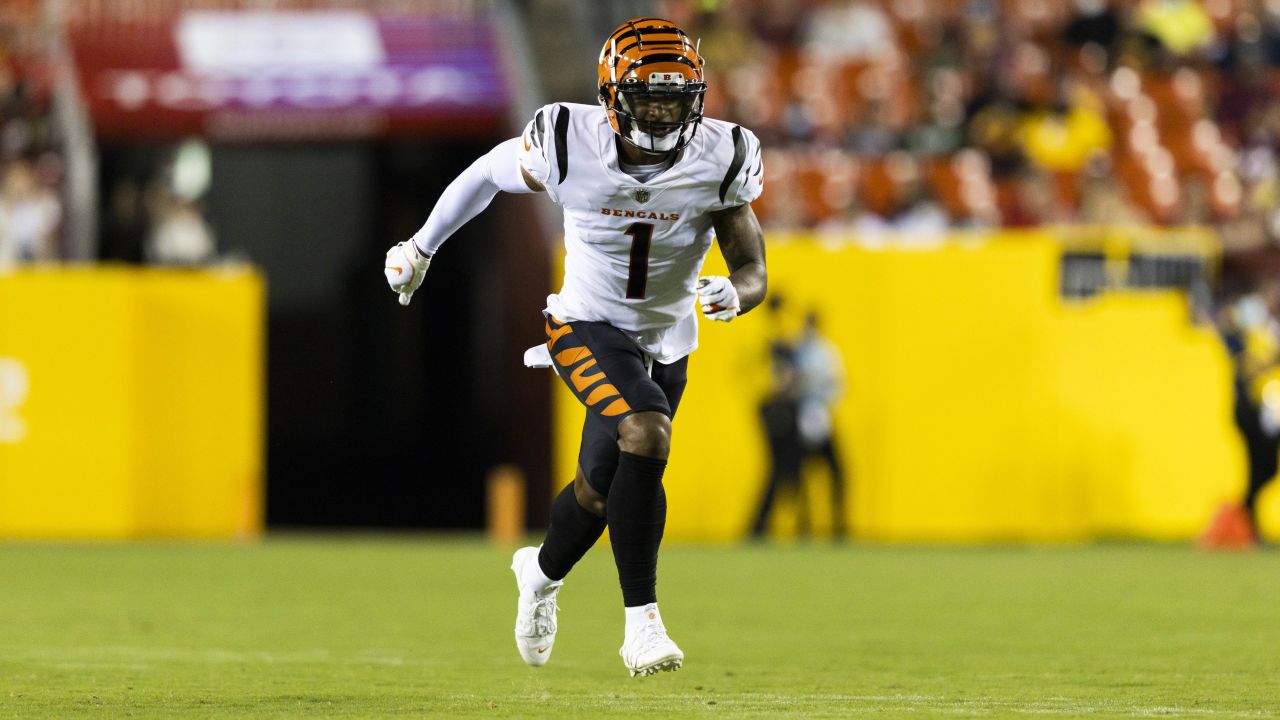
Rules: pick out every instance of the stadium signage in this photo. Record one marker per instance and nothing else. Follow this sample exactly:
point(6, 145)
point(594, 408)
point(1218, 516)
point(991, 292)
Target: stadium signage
point(268, 74)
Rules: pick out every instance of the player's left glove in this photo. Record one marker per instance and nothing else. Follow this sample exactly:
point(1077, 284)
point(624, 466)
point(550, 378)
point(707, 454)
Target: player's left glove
point(718, 298)
point(405, 268)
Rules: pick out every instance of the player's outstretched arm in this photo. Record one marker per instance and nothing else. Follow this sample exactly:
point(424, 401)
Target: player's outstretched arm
point(742, 245)
point(469, 194)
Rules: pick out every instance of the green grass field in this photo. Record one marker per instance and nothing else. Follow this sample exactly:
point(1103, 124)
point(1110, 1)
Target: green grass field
point(334, 627)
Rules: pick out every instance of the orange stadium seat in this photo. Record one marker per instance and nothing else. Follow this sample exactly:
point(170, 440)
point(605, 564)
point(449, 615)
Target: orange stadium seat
point(942, 177)
point(876, 187)
point(848, 93)
point(1067, 186)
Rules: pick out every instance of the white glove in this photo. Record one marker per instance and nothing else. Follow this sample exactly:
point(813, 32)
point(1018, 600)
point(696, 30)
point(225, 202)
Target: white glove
point(718, 298)
point(405, 268)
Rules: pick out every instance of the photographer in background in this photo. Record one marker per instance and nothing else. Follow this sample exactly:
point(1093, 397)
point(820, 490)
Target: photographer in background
point(1252, 334)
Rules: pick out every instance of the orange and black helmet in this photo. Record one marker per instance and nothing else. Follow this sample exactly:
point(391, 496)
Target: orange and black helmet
point(651, 84)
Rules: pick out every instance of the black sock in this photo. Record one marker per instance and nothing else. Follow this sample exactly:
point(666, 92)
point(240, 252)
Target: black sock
point(572, 533)
point(637, 512)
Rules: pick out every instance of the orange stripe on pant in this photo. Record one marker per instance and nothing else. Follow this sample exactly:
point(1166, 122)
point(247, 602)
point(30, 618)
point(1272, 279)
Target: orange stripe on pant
point(617, 407)
point(600, 393)
point(580, 359)
point(554, 335)
point(582, 382)
point(572, 355)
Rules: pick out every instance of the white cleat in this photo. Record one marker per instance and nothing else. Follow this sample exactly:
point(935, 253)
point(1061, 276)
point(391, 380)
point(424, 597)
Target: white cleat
point(535, 612)
point(648, 650)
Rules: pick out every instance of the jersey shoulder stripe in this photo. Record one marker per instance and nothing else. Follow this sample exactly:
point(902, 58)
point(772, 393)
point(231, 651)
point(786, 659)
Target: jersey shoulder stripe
point(734, 152)
point(739, 157)
point(562, 144)
point(555, 127)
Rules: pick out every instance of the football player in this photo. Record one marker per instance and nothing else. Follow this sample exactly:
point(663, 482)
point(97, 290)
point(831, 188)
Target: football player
point(646, 182)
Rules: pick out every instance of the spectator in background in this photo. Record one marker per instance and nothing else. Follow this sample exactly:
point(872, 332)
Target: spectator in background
point(806, 380)
point(29, 216)
point(1243, 101)
point(848, 30)
point(1104, 200)
point(992, 125)
point(1062, 137)
point(1031, 200)
point(797, 121)
point(778, 416)
point(180, 235)
point(31, 208)
point(820, 384)
point(852, 217)
point(917, 212)
point(940, 131)
point(1257, 223)
point(1180, 26)
point(870, 136)
point(167, 218)
point(1252, 334)
point(1194, 208)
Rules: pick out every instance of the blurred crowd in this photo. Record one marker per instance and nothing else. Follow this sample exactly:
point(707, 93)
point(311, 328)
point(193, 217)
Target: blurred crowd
point(31, 167)
point(153, 215)
point(877, 116)
point(153, 211)
point(923, 115)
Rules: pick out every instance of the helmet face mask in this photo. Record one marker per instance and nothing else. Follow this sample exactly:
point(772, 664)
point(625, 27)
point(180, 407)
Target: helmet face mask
point(659, 122)
point(651, 85)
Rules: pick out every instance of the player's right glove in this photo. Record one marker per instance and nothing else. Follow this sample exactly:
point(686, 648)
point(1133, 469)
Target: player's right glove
point(406, 266)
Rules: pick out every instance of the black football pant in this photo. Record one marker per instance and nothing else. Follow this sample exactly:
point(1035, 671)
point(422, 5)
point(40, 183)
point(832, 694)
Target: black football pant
point(613, 379)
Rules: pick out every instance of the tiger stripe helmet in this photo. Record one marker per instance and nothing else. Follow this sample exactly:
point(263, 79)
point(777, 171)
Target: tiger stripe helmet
point(651, 84)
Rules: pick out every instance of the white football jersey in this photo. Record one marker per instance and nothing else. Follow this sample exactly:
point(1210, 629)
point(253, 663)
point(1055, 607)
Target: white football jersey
point(633, 250)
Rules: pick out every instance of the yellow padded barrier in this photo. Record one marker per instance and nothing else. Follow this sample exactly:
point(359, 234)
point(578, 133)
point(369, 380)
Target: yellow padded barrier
point(131, 403)
point(980, 406)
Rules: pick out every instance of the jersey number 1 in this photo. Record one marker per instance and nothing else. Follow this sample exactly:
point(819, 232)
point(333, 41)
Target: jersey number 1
point(638, 271)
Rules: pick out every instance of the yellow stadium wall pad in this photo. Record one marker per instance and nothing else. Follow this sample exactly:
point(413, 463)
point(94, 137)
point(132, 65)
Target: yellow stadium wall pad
point(979, 406)
point(140, 404)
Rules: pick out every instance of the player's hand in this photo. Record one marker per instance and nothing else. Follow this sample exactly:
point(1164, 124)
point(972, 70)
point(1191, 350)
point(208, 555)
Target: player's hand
point(405, 268)
point(718, 298)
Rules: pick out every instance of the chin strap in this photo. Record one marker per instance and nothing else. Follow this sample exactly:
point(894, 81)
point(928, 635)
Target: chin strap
point(652, 149)
point(692, 130)
point(668, 156)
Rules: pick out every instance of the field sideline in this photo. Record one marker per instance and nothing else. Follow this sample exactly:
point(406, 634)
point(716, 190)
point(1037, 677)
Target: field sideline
point(374, 627)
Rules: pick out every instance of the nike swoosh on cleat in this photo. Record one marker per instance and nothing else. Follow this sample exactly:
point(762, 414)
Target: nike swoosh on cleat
point(542, 650)
point(393, 267)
